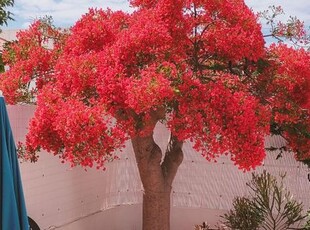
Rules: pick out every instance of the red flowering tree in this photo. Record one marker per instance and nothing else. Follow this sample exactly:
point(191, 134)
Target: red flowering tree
point(199, 67)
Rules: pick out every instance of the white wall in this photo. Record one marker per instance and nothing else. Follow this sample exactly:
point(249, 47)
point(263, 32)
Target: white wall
point(128, 217)
point(58, 197)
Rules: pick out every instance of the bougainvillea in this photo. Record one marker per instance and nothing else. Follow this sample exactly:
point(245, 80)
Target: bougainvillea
point(198, 66)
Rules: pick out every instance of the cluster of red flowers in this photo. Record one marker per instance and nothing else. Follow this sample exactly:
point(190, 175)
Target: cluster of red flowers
point(197, 60)
point(222, 120)
point(288, 92)
point(31, 61)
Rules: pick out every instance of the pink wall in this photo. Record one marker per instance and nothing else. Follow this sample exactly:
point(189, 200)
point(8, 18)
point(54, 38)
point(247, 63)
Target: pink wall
point(60, 197)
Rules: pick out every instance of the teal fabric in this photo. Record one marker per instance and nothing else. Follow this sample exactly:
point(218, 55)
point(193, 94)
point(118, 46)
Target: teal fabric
point(13, 209)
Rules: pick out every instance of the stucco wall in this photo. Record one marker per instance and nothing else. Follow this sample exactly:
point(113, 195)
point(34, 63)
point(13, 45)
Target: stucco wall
point(59, 197)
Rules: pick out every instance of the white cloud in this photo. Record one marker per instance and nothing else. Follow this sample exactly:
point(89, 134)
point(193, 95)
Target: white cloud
point(66, 12)
point(300, 8)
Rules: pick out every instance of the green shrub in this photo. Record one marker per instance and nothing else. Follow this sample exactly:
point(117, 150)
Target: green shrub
point(270, 206)
point(244, 216)
point(307, 225)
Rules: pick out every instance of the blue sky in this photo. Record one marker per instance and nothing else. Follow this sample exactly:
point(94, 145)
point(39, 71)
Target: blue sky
point(66, 12)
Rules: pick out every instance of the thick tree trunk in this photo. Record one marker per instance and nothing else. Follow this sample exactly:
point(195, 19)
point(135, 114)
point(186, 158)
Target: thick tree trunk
point(156, 210)
point(157, 177)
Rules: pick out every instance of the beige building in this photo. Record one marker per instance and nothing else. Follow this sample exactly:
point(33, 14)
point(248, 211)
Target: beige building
point(7, 35)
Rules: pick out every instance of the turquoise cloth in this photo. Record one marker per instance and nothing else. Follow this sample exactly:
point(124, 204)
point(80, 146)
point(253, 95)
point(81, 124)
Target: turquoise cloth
point(13, 208)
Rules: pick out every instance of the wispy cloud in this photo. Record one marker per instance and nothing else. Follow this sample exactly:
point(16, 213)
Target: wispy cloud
point(66, 12)
point(300, 8)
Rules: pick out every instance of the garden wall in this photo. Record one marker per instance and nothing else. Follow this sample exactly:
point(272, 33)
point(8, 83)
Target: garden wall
point(60, 197)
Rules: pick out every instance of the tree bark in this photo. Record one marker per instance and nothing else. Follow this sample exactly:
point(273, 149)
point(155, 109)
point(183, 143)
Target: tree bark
point(156, 210)
point(157, 177)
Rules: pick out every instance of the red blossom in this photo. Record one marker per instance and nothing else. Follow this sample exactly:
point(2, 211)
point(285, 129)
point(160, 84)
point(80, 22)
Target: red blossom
point(31, 61)
point(285, 84)
point(198, 66)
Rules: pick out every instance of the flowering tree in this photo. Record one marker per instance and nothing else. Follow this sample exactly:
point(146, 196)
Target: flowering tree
point(199, 67)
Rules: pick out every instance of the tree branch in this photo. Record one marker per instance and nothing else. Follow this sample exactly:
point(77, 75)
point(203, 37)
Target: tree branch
point(148, 157)
point(173, 159)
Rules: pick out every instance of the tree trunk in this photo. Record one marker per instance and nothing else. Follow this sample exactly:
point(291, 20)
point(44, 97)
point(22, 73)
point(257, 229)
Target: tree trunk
point(156, 210)
point(157, 177)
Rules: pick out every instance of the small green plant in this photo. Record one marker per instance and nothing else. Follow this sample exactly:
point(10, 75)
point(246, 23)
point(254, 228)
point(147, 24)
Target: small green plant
point(270, 206)
point(244, 216)
point(204, 226)
point(307, 225)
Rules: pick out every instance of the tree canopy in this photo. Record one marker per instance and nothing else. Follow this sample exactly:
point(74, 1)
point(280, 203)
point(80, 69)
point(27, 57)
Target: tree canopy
point(200, 67)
